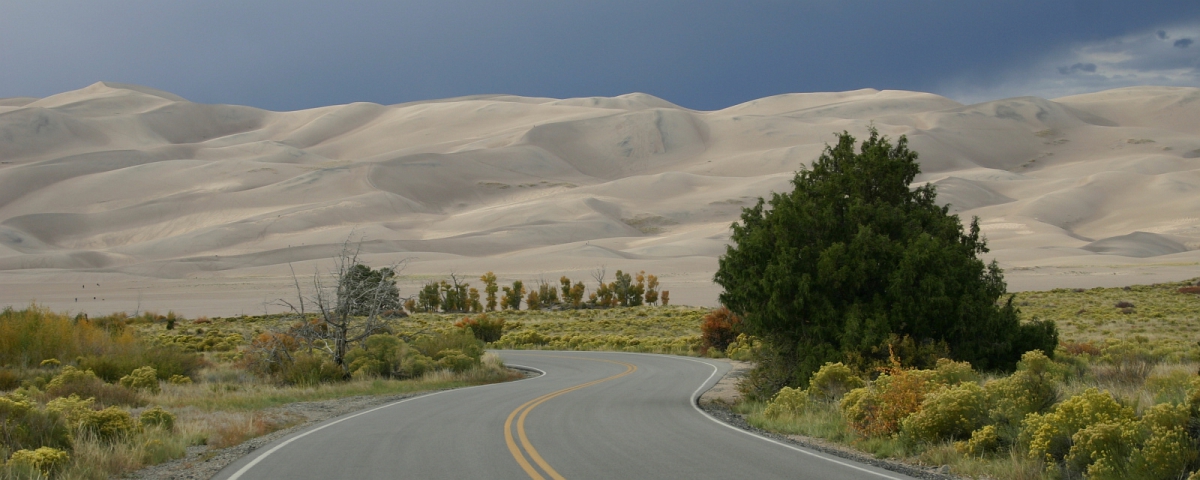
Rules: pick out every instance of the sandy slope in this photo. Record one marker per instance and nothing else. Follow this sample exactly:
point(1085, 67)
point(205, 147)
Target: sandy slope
point(202, 207)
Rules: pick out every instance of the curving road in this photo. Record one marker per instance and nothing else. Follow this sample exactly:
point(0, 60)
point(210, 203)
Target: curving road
point(592, 415)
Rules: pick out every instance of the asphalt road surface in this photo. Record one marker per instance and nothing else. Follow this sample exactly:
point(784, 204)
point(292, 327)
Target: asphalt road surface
point(591, 415)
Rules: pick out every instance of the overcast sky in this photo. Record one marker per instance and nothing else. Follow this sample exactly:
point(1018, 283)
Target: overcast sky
point(699, 54)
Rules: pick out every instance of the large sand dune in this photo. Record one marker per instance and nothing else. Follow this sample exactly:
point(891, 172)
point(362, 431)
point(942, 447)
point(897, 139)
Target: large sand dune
point(155, 201)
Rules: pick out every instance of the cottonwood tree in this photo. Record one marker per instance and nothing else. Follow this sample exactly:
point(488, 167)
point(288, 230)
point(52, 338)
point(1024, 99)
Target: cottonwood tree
point(489, 287)
point(348, 302)
point(853, 258)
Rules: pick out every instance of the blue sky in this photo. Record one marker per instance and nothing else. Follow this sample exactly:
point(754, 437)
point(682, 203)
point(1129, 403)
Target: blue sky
point(699, 54)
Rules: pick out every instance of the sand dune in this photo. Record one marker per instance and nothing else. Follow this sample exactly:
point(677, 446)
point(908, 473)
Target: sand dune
point(167, 203)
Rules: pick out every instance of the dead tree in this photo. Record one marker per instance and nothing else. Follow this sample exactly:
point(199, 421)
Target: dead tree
point(348, 303)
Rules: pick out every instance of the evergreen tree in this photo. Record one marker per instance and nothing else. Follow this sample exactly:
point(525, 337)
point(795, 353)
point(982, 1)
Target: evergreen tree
point(853, 259)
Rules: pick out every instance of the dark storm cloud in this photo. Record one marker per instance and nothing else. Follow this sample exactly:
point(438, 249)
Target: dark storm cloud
point(1183, 43)
point(1078, 67)
point(704, 55)
point(1162, 35)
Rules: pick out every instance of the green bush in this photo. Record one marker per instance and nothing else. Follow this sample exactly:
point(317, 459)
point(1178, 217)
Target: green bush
point(110, 424)
point(414, 365)
point(456, 361)
point(832, 381)
point(45, 460)
point(142, 378)
point(179, 380)
point(462, 341)
point(789, 401)
point(157, 418)
point(947, 414)
point(167, 360)
point(1049, 436)
point(307, 369)
point(380, 355)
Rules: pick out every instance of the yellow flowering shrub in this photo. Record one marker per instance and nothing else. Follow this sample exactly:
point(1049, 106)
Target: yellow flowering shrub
point(1102, 450)
point(832, 381)
point(950, 372)
point(45, 460)
point(949, 413)
point(72, 409)
point(744, 348)
point(790, 401)
point(1050, 436)
point(982, 442)
point(179, 380)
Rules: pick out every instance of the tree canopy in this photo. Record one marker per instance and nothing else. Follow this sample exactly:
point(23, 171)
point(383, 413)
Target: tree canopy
point(853, 260)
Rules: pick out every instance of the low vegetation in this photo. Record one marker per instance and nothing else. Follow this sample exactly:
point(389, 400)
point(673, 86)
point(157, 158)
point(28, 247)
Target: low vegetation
point(96, 398)
point(1124, 403)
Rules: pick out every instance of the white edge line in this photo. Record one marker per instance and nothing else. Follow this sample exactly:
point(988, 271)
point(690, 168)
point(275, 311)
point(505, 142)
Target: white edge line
point(241, 471)
point(695, 401)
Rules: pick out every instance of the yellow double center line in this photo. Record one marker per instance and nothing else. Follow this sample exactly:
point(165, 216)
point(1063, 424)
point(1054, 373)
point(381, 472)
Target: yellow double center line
point(523, 411)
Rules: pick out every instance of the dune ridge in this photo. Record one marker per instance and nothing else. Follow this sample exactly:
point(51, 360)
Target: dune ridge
point(135, 185)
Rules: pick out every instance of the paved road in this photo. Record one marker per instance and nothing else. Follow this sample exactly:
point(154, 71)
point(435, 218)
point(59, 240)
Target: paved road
point(592, 415)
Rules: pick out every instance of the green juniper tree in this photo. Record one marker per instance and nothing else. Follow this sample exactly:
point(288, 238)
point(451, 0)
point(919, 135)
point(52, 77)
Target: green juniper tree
point(853, 259)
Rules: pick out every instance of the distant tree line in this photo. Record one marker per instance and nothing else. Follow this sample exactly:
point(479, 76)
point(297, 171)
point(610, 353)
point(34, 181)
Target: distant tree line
point(454, 295)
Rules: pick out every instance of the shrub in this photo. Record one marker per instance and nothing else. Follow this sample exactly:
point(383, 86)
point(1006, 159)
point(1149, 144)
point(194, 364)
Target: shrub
point(9, 379)
point(1131, 362)
point(950, 372)
point(832, 381)
point(789, 401)
point(157, 418)
point(719, 328)
point(947, 414)
point(483, 327)
point(1165, 454)
point(380, 355)
point(24, 426)
point(460, 340)
point(1102, 450)
point(1030, 390)
point(73, 410)
point(84, 383)
point(167, 360)
point(455, 361)
point(142, 378)
point(306, 369)
point(109, 424)
point(878, 409)
point(1049, 436)
point(982, 442)
point(743, 348)
point(179, 380)
point(45, 460)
